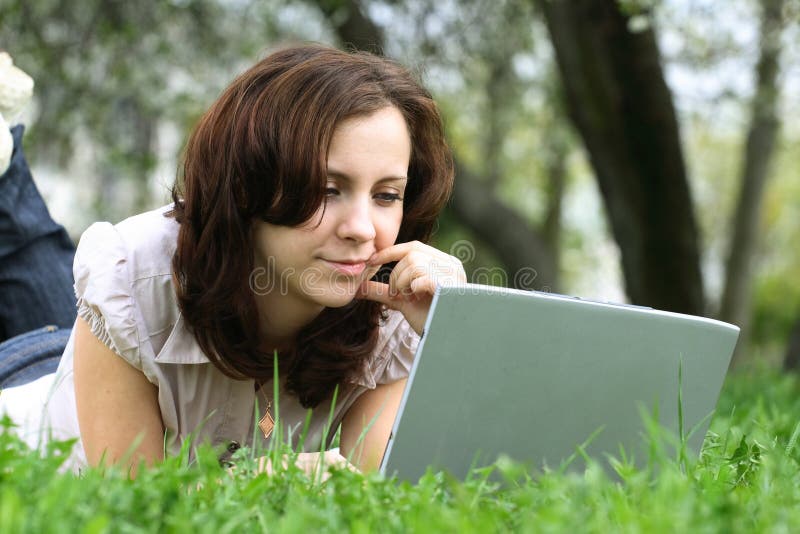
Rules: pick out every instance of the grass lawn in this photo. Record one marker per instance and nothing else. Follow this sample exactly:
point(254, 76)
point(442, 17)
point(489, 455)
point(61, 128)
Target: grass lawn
point(747, 479)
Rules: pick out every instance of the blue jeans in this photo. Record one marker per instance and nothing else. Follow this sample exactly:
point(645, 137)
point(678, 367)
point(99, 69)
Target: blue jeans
point(26, 357)
point(35, 275)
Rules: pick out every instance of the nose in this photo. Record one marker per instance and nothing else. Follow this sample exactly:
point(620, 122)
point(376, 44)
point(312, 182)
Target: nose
point(356, 222)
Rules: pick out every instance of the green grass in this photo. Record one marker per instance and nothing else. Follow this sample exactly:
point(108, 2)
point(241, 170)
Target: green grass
point(747, 479)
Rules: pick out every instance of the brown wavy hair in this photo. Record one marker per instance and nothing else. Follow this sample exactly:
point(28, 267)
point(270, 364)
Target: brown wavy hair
point(260, 154)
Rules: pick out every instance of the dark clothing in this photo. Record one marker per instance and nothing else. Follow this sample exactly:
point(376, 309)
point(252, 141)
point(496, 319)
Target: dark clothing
point(36, 285)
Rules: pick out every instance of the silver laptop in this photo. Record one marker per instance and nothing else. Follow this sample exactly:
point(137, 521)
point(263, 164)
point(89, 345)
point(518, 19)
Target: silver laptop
point(535, 375)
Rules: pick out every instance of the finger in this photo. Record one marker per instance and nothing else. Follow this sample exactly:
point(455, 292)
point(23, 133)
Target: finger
point(424, 286)
point(392, 253)
point(442, 273)
point(334, 459)
point(399, 251)
point(405, 277)
point(371, 271)
point(411, 260)
point(377, 292)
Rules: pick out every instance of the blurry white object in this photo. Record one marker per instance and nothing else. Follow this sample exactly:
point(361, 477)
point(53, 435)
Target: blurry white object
point(6, 146)
point(16, 88)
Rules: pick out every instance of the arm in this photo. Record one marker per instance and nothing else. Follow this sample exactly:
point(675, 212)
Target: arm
point(116, 405)
point(376, 408)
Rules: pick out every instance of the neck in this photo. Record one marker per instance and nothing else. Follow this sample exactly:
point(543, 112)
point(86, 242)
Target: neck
point(282, 317)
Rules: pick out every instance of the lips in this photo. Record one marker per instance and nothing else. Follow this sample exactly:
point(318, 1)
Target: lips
point(348, 267)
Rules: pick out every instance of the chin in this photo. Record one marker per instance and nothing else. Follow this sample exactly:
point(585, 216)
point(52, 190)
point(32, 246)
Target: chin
point(338, 303)
point(333, 298)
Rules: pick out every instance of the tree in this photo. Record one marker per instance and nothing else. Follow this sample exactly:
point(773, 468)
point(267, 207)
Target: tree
point(764, 125)
point(621, 106)
point(107, 74)
point(791, 362)
point(354, 27)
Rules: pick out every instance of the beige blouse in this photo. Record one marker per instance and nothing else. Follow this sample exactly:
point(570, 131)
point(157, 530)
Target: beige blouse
point(124, 289)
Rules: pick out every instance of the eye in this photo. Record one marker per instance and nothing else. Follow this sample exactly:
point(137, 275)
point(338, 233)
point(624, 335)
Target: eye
point(388, 198)
point(331, 191)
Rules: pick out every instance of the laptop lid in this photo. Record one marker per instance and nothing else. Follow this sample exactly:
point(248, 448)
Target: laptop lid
point(534, 375)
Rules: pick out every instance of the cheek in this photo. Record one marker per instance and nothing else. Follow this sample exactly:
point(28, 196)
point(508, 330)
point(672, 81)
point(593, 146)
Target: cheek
point(284, 245)
point(262, 242)
point(387, 230)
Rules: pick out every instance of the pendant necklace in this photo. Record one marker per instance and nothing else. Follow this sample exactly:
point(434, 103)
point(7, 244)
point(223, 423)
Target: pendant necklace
point(266, 423)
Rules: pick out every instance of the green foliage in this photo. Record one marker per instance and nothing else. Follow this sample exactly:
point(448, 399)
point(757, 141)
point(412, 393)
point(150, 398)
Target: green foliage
point(746, 479)
point(637, 7)
point(776, 287)
point(776, 308)
point(110, 75)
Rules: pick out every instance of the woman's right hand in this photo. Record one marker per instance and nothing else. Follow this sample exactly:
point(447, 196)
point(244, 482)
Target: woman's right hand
point(311, 463)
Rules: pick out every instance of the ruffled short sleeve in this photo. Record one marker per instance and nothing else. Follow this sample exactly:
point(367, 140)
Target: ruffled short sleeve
point(103, 290)
point(394, 352)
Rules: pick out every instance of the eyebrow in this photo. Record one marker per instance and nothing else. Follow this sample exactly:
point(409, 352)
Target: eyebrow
point(343, 176)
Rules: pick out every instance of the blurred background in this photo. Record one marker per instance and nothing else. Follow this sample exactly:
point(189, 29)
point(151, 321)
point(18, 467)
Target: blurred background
point(645, 151)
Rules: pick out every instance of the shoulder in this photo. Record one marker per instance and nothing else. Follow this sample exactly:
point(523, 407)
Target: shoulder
point(145, 242)
point(123, 281)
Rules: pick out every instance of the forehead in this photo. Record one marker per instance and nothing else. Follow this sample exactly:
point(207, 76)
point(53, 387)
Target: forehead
point(374, 144)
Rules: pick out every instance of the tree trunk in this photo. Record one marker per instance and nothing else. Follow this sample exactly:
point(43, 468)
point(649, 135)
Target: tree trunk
point(621, 106)
point(792, 360)
point(528, 258)
point(144, 154)
point(555, 152)
point(556, 185)
point(354, 28)
point(764, 124)
point(495, 128)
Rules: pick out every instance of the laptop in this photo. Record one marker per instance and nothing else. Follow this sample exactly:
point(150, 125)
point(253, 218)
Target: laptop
point(534, 376)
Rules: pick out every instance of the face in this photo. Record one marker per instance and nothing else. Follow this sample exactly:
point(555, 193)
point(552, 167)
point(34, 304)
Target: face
point(322, 262)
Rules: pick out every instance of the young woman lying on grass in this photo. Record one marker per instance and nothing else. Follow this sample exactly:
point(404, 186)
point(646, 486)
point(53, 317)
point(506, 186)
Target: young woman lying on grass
point(298, 228)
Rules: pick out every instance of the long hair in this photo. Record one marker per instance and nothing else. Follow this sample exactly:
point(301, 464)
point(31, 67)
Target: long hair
point(260, 154)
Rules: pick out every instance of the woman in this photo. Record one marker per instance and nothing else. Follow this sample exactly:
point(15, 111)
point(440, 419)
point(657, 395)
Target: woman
point(296, 236)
